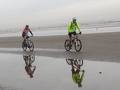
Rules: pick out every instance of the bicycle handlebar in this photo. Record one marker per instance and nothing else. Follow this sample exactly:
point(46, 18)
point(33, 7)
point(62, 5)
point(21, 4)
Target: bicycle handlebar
point(31, 36)
point(80, 33)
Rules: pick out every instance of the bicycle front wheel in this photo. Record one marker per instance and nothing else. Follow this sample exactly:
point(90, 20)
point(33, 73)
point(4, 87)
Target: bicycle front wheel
point(78, 45)
point(67, 45)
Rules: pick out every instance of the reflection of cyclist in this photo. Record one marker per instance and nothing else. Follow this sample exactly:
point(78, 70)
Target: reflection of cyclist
point(72, 27)
point(25, 32)
point(29, 68)
point(77, 78)
point(77, 73)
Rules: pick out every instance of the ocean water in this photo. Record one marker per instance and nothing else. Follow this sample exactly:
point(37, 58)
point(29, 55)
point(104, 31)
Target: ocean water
point(63, 31)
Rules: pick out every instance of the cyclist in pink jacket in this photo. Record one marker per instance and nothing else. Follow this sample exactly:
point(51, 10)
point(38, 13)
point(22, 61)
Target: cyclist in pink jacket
point(25, 32)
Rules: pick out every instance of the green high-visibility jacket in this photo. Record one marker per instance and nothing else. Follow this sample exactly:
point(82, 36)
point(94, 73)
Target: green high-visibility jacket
point(72, 27)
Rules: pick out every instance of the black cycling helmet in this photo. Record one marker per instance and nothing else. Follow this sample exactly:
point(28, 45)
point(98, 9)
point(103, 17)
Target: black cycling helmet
point(74, 19)
point(27, 26)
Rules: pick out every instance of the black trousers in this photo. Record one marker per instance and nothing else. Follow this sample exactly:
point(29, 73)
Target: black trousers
point(71, 33)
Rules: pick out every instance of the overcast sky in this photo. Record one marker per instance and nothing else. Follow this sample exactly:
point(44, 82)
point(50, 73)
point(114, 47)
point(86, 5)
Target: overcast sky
point(17, 13)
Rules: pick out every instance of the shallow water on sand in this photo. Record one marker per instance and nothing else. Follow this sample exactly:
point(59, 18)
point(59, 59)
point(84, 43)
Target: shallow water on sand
point(30, 72)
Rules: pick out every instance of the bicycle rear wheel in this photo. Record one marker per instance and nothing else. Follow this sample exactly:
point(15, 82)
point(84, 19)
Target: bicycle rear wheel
point(78, 45)
point(67, 45)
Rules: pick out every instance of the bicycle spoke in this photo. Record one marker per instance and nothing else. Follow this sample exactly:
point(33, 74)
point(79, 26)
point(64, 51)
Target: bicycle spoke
point(67, 45)
point(78, 45)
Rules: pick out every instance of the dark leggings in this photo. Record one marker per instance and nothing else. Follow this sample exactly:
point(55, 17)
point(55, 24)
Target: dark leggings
point(72, 33)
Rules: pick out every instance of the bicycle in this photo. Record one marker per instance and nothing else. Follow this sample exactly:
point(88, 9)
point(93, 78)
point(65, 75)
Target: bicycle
point(74, 41)
point(27, 43)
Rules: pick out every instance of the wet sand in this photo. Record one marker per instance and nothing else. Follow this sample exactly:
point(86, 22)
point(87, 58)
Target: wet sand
point(55, 74)
point(100, 55)
point(101, 47)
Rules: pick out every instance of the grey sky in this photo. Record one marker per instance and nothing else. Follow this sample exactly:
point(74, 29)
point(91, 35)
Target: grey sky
point(17, 13)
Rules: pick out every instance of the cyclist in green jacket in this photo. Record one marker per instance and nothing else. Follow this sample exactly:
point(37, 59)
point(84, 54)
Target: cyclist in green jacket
point(73, 26)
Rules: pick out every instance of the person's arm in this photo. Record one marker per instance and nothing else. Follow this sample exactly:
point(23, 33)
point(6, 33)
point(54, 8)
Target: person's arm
point(31, 32)
point(68, 27)
point(23, 31)
point(81, 78)
point(78, 27)
point(34, 68)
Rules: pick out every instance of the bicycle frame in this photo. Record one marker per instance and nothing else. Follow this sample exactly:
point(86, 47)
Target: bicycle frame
point(27, 43)
point(27, 40)
point(76, 36)
point(73, 38)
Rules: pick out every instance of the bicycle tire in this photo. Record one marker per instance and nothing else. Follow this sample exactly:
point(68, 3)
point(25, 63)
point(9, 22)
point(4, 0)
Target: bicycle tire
point(67, 45)
point(78, 45)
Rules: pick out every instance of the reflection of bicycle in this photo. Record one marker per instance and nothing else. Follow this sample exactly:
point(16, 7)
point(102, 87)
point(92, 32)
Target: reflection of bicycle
point(75, 41)
point(76, 62)
point(27, 43)
point(29, 58)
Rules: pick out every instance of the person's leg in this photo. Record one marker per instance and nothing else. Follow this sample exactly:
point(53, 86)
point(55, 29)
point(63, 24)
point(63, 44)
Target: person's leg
point(70, 37)
point(24, 40)
point(24, 35)
point(74, 33)
point(25, 43)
